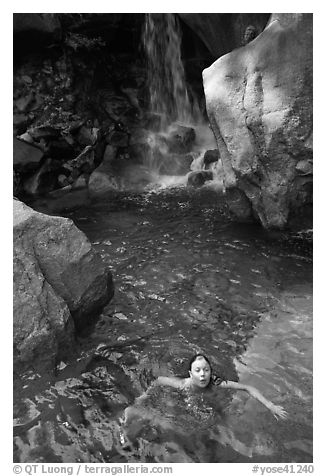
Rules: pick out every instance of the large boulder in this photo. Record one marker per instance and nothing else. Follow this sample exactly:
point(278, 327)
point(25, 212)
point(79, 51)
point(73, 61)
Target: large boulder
point(259, 104)
point(42, 327)
point(59, 282)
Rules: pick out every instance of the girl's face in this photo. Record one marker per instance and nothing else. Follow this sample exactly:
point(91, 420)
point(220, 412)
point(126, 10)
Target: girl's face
point(200, 372)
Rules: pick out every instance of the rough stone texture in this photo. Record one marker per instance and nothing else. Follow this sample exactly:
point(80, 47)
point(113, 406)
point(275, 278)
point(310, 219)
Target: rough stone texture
point(57, 275)
point(259, 103)
point(42, 326)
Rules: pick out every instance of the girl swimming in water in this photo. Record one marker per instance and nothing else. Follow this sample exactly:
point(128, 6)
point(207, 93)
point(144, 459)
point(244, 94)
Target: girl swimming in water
point(201, 377)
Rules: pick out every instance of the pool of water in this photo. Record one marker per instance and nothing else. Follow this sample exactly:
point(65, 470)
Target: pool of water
point(187, 279)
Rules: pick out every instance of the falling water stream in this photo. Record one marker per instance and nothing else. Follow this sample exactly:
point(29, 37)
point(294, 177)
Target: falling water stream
point(170, 99)
point(166, 76)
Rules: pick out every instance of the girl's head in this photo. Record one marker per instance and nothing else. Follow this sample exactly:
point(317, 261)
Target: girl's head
point(200, 371)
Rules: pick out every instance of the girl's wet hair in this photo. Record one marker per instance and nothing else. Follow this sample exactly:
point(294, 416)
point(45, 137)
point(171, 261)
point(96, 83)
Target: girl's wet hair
point(215, 379)
point(197, 356)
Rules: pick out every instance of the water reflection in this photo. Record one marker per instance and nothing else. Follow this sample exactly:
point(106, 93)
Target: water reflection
point(187, 280)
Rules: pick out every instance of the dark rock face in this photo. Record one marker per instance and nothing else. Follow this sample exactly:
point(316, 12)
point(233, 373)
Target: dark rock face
point(222, 32)
point(26, 156)
point(259, 103)
point(59, 282)
point(79, 93)
point(38, 22)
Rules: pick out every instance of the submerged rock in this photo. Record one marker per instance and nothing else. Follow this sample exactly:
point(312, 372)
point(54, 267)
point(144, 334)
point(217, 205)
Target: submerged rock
point(57, 277)
point(259, 103)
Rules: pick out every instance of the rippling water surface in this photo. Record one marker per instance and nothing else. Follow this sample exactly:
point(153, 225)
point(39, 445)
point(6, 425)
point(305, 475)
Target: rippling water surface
point(187, 279)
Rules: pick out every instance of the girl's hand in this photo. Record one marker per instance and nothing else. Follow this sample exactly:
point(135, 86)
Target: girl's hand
point(278, 411)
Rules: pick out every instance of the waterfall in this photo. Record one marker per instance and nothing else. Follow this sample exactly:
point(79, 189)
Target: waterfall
point(182, 133)
point(168, 92)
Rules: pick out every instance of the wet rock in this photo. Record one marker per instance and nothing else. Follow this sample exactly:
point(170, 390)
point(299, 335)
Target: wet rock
point(102, 179)
point(26, 137)
point(70, 266)
point(87, 136)
point(26, 156)
point(262, 141)
point(210, 157)
point(198, 178)
point(42, 326)
point(239, 203)
point(71, 410)
point(43, 180)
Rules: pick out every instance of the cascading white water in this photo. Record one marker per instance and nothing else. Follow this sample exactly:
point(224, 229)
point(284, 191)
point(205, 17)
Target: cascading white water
point(171, 99)
point(166, 76)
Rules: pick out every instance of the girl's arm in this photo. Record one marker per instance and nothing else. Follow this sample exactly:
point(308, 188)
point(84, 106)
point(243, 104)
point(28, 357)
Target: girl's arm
point(277, 410)
point(165, 381)
point(169, 381)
